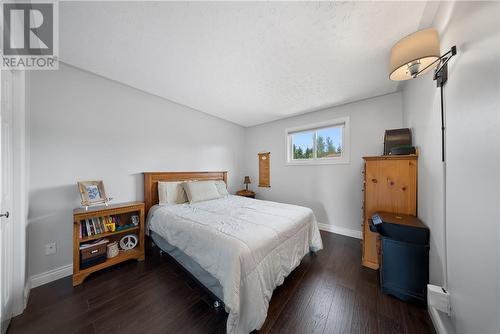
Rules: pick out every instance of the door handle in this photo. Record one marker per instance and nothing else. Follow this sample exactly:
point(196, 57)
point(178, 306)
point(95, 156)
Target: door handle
point(6, 214)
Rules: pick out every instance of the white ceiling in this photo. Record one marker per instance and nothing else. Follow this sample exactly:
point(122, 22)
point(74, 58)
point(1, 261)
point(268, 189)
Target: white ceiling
point(245, 62)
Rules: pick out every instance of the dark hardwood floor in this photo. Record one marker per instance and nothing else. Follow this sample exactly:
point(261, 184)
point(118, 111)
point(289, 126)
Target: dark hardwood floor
point(328, 293)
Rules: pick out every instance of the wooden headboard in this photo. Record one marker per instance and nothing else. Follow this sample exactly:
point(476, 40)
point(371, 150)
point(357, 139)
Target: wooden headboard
point(151, 182)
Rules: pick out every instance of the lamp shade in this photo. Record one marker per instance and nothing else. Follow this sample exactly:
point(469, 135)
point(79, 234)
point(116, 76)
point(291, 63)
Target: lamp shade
point(413, 54)
point(247, 180)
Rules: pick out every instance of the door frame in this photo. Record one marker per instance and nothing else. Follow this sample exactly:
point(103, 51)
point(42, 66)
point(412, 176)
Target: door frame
point(20, 146)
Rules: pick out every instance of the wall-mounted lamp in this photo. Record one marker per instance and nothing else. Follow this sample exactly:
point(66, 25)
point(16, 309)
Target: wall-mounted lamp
point(411, 57)
point(417, 54)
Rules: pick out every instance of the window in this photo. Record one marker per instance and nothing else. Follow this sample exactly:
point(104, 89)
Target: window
point(320, 143)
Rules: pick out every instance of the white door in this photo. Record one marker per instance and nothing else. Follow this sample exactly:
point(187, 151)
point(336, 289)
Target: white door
point(6, 234)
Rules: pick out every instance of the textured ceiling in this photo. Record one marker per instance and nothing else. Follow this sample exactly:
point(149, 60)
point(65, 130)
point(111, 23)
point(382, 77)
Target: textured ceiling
point(246, 62)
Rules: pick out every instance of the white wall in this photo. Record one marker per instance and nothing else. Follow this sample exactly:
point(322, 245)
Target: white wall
point(472, 100)
point(84, 127)
point(332, 191)
point(422, 115)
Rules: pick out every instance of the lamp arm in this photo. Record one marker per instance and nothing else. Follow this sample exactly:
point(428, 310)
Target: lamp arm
point(453, 52)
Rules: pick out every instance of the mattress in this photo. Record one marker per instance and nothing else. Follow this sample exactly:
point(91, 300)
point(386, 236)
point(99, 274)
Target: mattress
point(249, 246)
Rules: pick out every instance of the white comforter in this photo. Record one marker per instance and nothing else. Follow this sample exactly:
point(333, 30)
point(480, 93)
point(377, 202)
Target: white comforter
point(249, 245)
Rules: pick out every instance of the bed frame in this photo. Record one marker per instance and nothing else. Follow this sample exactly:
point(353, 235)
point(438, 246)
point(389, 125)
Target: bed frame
point(151, 180)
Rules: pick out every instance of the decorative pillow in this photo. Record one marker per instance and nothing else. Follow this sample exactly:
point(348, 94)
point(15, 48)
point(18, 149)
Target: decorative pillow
point(200, 191)
point(221, 188)
point(171, 193)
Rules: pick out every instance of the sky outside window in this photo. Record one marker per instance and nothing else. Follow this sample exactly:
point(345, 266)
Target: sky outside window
point(305, 142)
point(328, 143)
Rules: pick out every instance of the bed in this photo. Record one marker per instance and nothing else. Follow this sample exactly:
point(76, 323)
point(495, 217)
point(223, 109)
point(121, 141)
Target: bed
point(239, 248)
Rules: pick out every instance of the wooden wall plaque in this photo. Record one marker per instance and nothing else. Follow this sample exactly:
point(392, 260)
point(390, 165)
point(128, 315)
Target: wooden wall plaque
point(264, 169)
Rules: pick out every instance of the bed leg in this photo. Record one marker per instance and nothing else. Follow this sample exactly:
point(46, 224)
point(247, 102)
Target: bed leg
point(149, 245)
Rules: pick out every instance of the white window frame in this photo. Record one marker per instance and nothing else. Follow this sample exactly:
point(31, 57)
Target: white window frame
point(345, 154)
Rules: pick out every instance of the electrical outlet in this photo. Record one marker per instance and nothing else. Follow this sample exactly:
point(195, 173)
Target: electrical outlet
point(50, 248)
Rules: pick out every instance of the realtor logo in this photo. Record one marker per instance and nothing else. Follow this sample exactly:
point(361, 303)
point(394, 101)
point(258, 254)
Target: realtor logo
point(30, 35)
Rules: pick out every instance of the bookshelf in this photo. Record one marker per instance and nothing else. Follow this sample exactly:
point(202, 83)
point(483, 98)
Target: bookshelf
point(119, 213)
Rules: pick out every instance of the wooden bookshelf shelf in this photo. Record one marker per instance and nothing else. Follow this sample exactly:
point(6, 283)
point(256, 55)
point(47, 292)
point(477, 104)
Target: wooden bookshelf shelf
point(107, 234)
point(122, 256)
point(124, 211)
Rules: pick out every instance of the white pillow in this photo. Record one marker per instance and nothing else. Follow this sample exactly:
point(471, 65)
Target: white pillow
point(171, 193)
point(200, 191)
point(221, 188)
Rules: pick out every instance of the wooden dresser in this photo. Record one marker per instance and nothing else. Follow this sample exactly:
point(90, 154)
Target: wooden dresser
point(390, 185)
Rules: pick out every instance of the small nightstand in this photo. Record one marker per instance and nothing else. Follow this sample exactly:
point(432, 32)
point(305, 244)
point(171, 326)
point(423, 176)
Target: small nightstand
point(246, 193)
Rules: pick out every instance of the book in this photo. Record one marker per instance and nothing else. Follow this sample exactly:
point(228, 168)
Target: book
point(93, 228)
point(87, 224)
point(98, 225)
point(101, 228)
point(83, 229)
point(104, 225)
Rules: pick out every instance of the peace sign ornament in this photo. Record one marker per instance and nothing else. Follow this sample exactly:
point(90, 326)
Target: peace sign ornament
point(128, 242)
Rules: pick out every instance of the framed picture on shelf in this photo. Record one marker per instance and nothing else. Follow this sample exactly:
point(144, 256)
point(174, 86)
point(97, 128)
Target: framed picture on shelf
point(135, 220)
point(92, 193)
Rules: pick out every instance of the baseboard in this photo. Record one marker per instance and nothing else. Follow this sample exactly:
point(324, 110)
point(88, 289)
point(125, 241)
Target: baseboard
point(340, 230)
point(441, 321)
point(51, 275)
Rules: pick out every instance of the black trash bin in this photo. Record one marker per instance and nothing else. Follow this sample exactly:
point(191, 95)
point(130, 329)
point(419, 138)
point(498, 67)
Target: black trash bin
point(404, 271)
